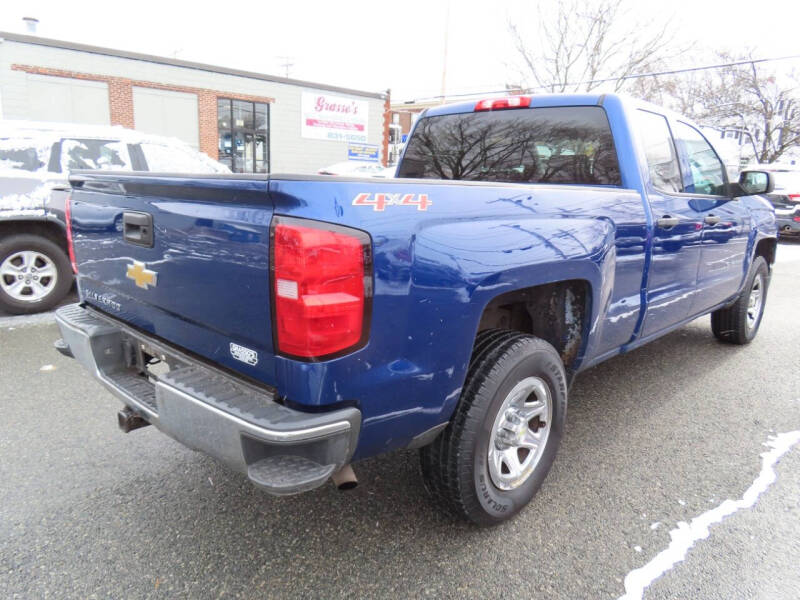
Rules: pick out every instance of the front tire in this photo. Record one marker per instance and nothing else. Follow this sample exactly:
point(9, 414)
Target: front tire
point(739, 323)
point(35, 274)
point(498, 448)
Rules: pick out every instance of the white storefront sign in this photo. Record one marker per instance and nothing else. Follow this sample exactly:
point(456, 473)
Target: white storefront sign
point(336, 118)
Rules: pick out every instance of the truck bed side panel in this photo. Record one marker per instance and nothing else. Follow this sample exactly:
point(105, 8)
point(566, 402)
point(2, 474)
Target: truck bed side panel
point(435, 271)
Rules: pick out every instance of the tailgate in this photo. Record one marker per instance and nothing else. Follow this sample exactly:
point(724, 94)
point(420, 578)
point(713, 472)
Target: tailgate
point(183, 258)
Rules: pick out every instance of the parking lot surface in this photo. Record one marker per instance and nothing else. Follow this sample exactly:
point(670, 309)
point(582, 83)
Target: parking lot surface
point(654, 438)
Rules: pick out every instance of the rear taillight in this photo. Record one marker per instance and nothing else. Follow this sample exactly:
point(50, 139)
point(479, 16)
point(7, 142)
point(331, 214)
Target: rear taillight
point(68, 223)
point(321, 278)
point(796, 218)
point(503, 103)
point(794, 197)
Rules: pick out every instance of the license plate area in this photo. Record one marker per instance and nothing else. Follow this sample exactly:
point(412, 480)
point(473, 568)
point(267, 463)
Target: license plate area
point(149, 361)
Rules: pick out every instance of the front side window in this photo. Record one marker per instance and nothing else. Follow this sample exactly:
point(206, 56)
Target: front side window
point(568, 145)
point(243, 135)
point(659, 150)
point(706, 169)
point(105, 155)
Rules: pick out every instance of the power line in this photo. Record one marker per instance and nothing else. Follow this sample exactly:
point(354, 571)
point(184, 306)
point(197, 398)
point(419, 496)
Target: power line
point(635, 76)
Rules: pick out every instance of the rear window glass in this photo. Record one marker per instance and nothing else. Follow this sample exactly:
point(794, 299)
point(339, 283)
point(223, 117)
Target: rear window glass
point(571, 145)
point(24, 154)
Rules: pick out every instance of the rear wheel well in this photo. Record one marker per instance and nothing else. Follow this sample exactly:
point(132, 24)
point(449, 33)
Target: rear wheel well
point(46, 229)
point(555, 312)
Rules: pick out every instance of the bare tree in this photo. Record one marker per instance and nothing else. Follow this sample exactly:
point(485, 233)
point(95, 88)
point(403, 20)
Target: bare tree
point(750, 98)
point(587, 41)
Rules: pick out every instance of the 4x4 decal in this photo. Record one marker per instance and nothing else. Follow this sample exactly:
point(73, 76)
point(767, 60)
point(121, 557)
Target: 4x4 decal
point(381, 201)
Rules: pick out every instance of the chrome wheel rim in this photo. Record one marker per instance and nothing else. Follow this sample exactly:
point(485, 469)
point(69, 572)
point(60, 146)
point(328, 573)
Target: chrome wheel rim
point(755, 302)
point(520, 433)
point(28, 276)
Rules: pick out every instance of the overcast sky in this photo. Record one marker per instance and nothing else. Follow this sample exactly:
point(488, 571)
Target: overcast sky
point(374, 45)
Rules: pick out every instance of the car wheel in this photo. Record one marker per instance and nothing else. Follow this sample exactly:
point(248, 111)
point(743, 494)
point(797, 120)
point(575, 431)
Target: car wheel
point(35, 274)
point(739, 323)
point(494, 455)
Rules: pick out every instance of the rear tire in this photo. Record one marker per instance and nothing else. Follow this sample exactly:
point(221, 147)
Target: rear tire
point(739, 323)
point(498, 448)
point(35, 274)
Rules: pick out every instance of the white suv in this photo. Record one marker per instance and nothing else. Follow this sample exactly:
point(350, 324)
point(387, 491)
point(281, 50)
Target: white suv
point(35, 161)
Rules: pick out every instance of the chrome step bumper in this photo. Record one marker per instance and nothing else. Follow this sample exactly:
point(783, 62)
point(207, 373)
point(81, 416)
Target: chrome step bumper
point(283, 451)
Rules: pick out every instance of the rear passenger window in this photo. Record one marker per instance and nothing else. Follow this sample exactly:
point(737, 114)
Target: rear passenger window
point(94, 154)
point(706, 169)
point(570, 145)
point(662, 160)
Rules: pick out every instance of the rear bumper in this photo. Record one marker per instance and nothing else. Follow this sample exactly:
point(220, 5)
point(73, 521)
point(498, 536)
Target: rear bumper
point(281, 450)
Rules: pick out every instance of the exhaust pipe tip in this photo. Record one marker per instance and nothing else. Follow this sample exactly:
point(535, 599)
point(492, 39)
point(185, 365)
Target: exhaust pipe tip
point(345, 478)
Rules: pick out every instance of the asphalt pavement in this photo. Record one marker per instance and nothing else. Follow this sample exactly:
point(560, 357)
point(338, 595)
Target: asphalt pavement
point(654, 438)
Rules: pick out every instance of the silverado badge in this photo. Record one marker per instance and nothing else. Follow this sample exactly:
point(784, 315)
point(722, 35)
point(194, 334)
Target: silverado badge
point(143, 276)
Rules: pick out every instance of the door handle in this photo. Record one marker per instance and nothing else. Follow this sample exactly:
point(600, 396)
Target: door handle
point(712, 220)
point(137, 228)
point(667, 222)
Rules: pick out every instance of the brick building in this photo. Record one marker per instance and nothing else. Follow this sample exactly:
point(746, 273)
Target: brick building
point(250, 121)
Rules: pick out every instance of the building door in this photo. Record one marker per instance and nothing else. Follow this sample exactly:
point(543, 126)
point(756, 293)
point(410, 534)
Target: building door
point(243, 135)
point(67, 100)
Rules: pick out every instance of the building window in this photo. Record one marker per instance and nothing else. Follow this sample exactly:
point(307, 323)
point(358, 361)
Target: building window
point(243, 135)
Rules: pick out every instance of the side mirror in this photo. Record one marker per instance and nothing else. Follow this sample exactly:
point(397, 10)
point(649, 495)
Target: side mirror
point(754, 182)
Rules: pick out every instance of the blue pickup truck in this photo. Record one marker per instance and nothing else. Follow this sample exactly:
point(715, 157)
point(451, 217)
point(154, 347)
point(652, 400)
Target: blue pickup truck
point(291, 325)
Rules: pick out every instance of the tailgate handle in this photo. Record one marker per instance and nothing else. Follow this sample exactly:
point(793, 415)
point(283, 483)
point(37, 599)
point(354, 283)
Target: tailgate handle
point(137, 228)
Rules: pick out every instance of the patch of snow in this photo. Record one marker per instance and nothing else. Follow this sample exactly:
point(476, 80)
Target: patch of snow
point(684, 536)
point(12, 204)
point(31, 142)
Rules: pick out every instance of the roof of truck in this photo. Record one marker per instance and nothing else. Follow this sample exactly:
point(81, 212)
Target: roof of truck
point(537, 101)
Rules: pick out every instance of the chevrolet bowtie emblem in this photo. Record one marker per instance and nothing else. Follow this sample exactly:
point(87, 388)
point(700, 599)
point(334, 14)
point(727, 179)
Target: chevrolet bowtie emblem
point(143, 276)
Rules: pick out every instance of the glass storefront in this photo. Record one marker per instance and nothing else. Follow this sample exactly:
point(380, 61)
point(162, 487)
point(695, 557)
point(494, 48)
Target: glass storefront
point(243, 135)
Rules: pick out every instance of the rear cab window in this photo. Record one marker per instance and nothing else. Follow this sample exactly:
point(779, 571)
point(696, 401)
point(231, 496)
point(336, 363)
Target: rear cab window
point(94, 154)
point(659, 151)
point(555, 145)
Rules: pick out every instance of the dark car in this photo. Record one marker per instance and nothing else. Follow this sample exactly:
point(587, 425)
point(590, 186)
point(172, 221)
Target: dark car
point(786, 199)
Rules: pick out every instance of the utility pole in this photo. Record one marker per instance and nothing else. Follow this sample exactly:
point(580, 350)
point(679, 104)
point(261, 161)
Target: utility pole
point(286, 64)
point(444, 58)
